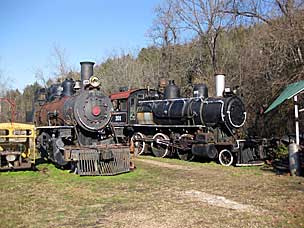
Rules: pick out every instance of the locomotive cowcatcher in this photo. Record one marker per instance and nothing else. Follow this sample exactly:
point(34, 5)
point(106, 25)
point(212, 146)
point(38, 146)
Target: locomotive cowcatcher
point(200, 126)
point(72, 121)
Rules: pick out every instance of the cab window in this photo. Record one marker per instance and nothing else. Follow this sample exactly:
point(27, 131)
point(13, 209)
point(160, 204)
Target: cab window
point(123, 105)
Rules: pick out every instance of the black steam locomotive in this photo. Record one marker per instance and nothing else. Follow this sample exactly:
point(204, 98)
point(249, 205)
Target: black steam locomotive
point(72, 122)
point(200, 126)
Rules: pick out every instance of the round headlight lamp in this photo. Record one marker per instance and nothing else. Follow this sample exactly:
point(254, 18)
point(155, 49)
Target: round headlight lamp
point(11, 157)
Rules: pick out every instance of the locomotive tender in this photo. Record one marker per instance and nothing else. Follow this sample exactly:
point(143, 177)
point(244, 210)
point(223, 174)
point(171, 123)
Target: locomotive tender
point(72, 123)
point(198, 126)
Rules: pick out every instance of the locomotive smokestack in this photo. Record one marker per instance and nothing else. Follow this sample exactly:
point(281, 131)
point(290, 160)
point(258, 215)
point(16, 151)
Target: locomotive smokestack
point(86, 71)
point(219, 84)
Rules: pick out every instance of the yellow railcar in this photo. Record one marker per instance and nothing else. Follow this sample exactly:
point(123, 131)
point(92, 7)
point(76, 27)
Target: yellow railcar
point(17, 146)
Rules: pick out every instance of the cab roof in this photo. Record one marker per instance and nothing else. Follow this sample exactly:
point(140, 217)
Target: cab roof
point(122, 95)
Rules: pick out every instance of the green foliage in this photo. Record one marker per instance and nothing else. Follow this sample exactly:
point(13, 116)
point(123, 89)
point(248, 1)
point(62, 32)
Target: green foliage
point(281, 152)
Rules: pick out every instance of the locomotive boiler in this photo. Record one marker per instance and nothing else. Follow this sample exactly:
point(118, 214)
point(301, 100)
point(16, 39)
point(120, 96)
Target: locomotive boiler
point(72, 121)
point(226, 112)
point(199, 126)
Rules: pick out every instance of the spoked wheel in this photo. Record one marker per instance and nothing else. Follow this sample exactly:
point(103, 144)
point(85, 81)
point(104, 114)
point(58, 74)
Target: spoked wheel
point(225, 157)
point(140, 146)
point(185, 154)
point(160, 145)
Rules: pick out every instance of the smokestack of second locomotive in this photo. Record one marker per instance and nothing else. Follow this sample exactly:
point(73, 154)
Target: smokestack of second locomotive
point(219, 84)
point(86, 70)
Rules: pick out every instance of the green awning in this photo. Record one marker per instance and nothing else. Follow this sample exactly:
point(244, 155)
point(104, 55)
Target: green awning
point(289, 92)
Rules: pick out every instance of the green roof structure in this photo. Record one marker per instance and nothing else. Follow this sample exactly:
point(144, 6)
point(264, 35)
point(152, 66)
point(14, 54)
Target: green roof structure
point(289, 92)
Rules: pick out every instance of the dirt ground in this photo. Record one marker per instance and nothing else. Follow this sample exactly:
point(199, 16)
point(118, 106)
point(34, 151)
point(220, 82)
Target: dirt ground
point(159, 193)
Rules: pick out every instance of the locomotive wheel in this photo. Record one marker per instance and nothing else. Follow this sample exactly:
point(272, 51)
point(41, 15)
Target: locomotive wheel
point(139, 146)
point(225, 157)
point(160, 145)
point(185, 154)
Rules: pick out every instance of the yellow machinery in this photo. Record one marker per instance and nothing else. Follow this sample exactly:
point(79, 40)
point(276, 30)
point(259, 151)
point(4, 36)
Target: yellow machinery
point(17, 146)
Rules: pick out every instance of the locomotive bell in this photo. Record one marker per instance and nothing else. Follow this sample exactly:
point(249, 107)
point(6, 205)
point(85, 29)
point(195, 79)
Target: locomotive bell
point(77, 85)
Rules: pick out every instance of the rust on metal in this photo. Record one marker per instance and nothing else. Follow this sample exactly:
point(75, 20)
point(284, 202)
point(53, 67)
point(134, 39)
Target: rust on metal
point(103, 160)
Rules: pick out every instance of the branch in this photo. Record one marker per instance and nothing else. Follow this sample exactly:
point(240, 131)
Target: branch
point(246, 14)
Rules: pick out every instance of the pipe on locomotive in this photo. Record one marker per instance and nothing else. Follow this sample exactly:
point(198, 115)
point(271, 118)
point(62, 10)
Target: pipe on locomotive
point(86, 72)
point(219, 84)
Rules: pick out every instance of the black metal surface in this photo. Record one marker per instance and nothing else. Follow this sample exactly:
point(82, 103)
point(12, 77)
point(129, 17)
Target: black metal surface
point(205, 151)
point(194, 112)
point(235, 112)
point(160, 145)
point(173, 112)
point(224, 112)
point(68, 87)
point(249, 153)
point(83, 110)
point(184, 150)
point(54, 91)
point(171, 90)
point(200, 90)
point(86, 70)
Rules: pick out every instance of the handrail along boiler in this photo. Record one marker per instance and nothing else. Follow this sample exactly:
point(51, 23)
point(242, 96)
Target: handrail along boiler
point(72, 121)
point(197, 126)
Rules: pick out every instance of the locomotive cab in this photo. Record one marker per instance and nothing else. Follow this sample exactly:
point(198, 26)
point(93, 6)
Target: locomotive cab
point(126, 114)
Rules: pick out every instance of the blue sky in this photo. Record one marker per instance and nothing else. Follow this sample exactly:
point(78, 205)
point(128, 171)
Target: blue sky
point(85, 30)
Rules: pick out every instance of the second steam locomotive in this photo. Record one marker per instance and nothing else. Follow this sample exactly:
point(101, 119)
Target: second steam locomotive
point(199, 126)
point(72, 122)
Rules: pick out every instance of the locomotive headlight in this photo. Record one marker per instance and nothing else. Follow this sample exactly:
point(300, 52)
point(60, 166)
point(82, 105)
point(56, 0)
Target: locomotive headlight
point(94, 81)
point(11, 157)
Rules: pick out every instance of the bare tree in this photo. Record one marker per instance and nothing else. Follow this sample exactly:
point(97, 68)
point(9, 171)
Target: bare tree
point(59, 58)
point(5, 83)
point(165, 27)
point(164, 33)
point(41, 77)
point(203, 20)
